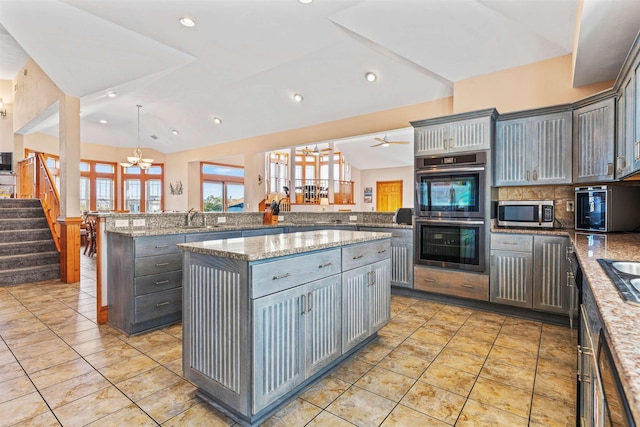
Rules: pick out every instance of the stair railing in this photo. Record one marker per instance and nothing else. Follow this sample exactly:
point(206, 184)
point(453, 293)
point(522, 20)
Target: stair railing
point(36, 182)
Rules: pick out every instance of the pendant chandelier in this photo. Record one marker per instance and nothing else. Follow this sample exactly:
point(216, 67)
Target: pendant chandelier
point(137, 159)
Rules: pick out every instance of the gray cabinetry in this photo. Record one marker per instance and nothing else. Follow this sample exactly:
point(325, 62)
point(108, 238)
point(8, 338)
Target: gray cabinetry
point(263, 231)
point(628, 114)
point(533, 148)
point(366, 302)
point(401, 255)
point(457, 133)
point(530, 271)
point(145, 282)
point(594, 141)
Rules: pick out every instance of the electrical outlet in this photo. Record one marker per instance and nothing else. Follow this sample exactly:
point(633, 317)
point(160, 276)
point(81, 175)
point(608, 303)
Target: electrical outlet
point(222, 220)
point(139, 222)
point(122, 222)
point(353, 217)
point(281, 218)
point(570, 206)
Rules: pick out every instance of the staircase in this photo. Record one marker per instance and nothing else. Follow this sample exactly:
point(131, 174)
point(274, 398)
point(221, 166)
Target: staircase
point(27, 250)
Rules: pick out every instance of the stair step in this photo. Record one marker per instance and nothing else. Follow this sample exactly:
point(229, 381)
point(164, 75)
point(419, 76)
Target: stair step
point(28, 260)
point(20, 203)
point(39, 273)
point(17, 212)
point(25, 235)
point(23, 223)
point(27, 247)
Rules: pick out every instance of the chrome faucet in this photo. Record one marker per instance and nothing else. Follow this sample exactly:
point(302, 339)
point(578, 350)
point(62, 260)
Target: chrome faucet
point(192, 212)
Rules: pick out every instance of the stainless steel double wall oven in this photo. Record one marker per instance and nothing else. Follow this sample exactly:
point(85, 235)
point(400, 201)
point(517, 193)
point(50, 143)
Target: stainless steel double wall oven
point(450, 220)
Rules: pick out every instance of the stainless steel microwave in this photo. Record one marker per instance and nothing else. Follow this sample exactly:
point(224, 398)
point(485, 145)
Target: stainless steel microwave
point(526, 213)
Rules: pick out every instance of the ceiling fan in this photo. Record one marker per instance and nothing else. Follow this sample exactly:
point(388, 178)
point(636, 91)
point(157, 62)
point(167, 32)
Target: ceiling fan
point(315, 151)
point(384, 142)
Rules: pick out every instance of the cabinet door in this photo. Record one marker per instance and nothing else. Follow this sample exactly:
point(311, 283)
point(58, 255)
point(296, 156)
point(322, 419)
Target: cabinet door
point(432, 139)
point(355, 306)
point(552, 143)
point(278, 342)
point(323, 313)
point(470, 135)
point(401, 264)
point(379, 295)
point(511, 278)
point(626, 129)
point(593, 127)
point(513, 152)
point(634, 143)
point(550, 290)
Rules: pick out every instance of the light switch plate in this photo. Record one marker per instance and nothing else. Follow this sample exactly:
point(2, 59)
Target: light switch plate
point(222, 219)
point(122, 222)
point(353, 217)
point(280, 217)
point(139, 222)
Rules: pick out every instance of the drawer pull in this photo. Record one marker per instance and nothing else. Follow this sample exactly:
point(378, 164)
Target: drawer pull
point(162, 282)
point(465, 285)
point(325, 265)
point(281, 277)
point(162, 303)
point(162, 264)
point(510, 243)
point(358, 256)
point(382, 251)
point(429, 280)
point(161, 246)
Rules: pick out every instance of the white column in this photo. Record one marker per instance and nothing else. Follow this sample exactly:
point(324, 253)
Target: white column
point(69, 117)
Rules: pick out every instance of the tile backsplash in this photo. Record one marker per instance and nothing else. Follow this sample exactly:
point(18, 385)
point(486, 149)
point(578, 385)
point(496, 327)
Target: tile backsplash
point(560, 194)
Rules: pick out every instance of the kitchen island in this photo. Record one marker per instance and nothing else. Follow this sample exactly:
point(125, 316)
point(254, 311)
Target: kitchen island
point(265, 316)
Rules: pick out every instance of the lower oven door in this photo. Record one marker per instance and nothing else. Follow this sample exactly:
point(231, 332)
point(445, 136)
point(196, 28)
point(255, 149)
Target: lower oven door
point(456, 244)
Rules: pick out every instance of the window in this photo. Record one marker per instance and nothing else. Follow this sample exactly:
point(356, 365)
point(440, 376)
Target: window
point(222, 187)
point(278, 167)
point(142, 189)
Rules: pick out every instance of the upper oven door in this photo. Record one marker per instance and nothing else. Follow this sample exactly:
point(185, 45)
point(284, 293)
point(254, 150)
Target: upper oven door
point(450, 192)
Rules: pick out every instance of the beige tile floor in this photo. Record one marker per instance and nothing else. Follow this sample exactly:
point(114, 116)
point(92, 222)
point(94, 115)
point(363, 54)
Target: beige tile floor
point(433, 365)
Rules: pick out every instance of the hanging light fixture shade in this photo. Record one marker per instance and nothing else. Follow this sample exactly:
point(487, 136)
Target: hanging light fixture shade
point(137, 159)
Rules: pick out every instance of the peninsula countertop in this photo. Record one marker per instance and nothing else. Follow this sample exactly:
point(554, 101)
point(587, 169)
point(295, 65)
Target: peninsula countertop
point(277, 245)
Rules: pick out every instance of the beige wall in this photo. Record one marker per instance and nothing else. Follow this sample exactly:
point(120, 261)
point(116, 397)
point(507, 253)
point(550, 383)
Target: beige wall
point(6, 124)
point(536, 85)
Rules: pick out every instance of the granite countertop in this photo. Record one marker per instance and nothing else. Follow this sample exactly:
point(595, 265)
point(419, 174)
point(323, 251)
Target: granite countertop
point(161, 231)
point(278, 245)
point(621, 319)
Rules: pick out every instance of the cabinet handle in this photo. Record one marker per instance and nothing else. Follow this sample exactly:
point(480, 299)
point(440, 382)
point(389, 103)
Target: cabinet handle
point(528, 176)
point(509, 243)
point(637, 156)
point(382, 251)
point(622, 163)
point(325, 265)
point(429, 280)
point(309, 301)
point(162, 303)
point(162, 282)
point(466, 285)
point(281, 277)
point(162, 264)
point(358, 256)
point(161, 246)
point(609, 168)
point(302, 303)
point(570, 279)
point(535, 174)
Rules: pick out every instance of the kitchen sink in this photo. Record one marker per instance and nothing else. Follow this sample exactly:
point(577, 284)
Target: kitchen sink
point(625, 275)
point(632, 268)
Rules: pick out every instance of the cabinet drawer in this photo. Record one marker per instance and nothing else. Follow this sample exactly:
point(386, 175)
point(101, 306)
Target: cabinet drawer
point(366, 253)
point(456, 283)
point(157, 282)
point(158, 304)
point(511, 242)
point(157, 245)
point(275, 276)
point(158, 264)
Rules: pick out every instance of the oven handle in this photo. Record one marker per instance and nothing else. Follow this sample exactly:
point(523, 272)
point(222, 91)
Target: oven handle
point(450, 169)
point(450, 221)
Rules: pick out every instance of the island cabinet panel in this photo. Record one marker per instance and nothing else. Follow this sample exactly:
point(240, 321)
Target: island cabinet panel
point(366, 301)
point(401, 254)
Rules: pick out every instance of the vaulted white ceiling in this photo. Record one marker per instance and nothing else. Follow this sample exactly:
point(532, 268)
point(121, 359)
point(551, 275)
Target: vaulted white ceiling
point(244, 59)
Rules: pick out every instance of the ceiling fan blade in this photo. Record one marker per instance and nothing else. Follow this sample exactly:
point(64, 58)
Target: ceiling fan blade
point(399, 142)
point(327, 149)
point(380, 144)
point(380, 140)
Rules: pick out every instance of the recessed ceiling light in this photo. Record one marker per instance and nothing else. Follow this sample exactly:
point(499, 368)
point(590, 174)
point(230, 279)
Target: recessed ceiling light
point(187, 22)
point(217, 120)
point(104, 122)
point(175, 132)
point(297, 97)
point(371, 77)
point(111, 94)
point(305, 1)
